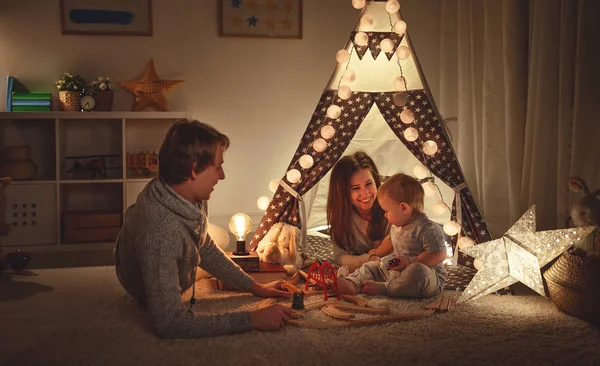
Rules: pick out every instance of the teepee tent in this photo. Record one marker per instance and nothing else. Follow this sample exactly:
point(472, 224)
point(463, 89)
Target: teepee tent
point(377, 100)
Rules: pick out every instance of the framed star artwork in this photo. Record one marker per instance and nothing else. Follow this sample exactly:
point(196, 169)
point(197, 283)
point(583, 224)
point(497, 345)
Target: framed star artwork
point(103, 17)
point(260, 18)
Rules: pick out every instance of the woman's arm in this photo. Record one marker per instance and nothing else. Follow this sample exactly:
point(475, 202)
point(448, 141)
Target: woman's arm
point(385, 247)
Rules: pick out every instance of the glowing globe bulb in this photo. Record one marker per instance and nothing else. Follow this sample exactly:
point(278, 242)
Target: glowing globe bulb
point(334, 111)
point(400, 99)
point(293, 176)
point(429, 189)
point(263, 202)
point(240, 225)
point(386, 45)
point(465, 242)
point(420, 171)
point(366, 21)
point(392, 6)
point(411, 134)
point(402, 52)
point(399, 83)
point(358, 4)
point(349, 75)
point(407, 116)
point(273, 184)
point(327, 132)
point(361, 39)
point(451, 227)
point(342, 56)
point(319, 145)
point(430, 147)
point(399, 27)
point(439, 207)
point(306, 161)
point(344, 92)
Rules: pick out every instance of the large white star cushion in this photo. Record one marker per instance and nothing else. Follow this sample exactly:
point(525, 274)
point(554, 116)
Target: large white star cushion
point(518, 256)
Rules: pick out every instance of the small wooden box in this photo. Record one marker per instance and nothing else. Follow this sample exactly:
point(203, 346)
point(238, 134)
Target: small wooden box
point(89, 226)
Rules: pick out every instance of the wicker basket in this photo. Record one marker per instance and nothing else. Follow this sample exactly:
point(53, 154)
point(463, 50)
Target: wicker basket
point(69, 100)
point(19, 170)
point(17, 152)
point(574, 286)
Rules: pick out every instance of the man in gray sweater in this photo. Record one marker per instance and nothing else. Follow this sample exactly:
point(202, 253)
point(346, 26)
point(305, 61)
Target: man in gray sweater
point(164, 239)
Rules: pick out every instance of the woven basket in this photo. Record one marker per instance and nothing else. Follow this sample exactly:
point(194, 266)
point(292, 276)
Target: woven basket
point(17, 152)
point(19, 170)
point(69, 100)
point(574, 286)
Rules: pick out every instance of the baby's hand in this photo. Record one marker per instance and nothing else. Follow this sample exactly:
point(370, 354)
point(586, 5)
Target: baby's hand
point(397, 264)
point(373, 251)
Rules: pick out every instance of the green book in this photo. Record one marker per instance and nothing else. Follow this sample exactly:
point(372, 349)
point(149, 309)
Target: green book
point(30, 108)
point(34, 95)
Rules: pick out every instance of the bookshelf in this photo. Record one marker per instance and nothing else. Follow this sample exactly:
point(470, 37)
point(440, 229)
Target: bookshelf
point(82, 167)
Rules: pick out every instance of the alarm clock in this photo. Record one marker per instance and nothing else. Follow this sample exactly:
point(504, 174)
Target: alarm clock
point(87, 101)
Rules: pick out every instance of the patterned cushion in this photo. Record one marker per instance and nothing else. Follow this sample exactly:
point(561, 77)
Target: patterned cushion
point(319, 248)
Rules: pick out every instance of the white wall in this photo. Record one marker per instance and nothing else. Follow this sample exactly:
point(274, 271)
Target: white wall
point(260, 92)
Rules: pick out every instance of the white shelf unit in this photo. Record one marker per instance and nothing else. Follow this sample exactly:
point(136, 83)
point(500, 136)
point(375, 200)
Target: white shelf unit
point(37, 206)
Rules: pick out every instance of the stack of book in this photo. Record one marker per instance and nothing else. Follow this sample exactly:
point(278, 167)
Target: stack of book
point(30, 102)
point(19, 99)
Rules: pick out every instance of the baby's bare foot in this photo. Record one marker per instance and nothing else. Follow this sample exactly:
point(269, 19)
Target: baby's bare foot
point(374, 288)
point(346, 287)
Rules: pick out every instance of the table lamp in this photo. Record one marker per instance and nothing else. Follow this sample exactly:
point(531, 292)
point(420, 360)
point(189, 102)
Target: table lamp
point(240, 225)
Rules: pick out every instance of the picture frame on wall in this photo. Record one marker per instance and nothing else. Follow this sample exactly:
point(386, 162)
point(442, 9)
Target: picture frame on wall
point(260, 18)
point(106, 17)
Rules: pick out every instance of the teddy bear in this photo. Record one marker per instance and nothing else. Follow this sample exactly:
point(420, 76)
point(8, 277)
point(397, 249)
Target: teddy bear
point(280, 246)
point(586, 212)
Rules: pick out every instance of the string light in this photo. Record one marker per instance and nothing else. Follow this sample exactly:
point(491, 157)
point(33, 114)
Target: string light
point(293, 176)
point(273, 184)
point(306, 161)
point(327, 132)
point(263, 202)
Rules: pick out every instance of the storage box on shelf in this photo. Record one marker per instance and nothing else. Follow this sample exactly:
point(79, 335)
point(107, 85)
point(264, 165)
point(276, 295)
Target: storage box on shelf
point(85, 181)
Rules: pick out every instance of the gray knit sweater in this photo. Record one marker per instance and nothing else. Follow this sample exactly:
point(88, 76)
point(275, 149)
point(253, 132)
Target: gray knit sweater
point(162, 241)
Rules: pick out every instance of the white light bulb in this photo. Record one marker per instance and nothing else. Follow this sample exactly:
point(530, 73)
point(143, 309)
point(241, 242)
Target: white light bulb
point(402, 52)
point(349, 75)
point(465, 242)
point(392, 6)
point(430, 147)
point(366, 21)
point(344, 92)
point(451, 227)
point(407, 116)
point(306, 161)
point(400, 99)
point(240, 225)
point(439, 207)
point(399, 83)
point(263, 202)
point(273, 184)
point(334, 111)
point(293, 176)
point(342, 56)
point(420, 171)
point(319, 145)
point(361, 39)
point(327, 132)
point(411, 134)
point(429, 189)
point(399, 27)
point(358, 4)
point(386, 45)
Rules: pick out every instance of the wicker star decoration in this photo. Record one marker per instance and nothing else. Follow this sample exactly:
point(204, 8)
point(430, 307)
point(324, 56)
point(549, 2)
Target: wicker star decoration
point(150, 90)
point(518, 256)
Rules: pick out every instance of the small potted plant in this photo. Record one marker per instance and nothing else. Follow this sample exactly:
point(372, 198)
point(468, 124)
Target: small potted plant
point(104, 93)
point(69, 89)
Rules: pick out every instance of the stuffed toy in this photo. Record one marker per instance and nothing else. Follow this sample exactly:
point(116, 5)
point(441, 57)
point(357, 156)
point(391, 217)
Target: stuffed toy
point(280, 246)
point(586, 212)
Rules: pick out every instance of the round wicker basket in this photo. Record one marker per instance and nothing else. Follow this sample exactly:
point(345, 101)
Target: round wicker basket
point(17, 152)
point(19, 170)
point(574, 286)
point(69, 100)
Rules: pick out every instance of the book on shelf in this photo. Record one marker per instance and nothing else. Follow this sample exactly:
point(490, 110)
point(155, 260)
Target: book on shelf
point(13, 85)
point(45, 102)
point(30, 108)
point(32, 95)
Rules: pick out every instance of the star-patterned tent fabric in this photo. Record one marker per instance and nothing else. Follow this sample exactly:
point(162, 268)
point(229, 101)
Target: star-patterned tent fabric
point(374, 87)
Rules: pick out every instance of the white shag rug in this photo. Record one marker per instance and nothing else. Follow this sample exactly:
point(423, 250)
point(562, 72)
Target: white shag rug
point(493, 330)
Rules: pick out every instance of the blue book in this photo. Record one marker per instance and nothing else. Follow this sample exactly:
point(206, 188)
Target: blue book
point(30, 102)
point(10, 84)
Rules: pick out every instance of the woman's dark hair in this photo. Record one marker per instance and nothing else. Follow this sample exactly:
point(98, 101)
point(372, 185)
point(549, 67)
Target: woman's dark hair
point(340, 210)
point(188, 142)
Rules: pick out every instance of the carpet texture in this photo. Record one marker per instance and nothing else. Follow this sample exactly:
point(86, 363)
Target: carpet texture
point(492, 330)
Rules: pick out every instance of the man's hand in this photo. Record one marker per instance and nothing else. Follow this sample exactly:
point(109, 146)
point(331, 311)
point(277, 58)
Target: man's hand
point(400, 266)
point(272, 317)
point(271, 289)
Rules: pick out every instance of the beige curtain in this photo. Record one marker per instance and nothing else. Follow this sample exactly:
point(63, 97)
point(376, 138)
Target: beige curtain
point(521, 77)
